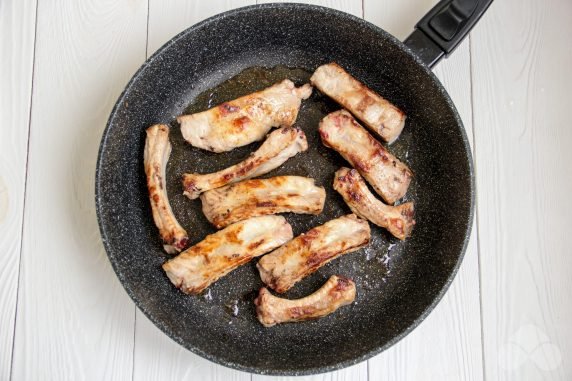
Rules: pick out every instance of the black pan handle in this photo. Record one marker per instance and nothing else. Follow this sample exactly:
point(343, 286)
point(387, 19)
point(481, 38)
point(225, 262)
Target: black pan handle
point(439, 32)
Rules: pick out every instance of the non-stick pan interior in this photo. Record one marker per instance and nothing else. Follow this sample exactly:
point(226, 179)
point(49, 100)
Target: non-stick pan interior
point(397, 282)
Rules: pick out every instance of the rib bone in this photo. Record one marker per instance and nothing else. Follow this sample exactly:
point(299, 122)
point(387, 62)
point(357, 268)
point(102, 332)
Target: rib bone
point(378, 114)
point(387, 175)
point(156, 155)
point(398, 220)
point(246, 119)
point(280, 145)
point(338, 291)
point(285, 266)
point(258, 197)
point(218, 254)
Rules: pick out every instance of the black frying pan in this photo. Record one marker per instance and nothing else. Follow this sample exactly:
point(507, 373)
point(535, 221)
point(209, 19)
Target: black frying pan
point(244, 50)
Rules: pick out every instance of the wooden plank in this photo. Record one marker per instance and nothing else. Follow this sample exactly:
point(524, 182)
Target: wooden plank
point(521, 74)
point(156, 356)
point(17, 27)
point(359, 371)
point(447, 345)
point(74, 321)
point(169, 18)
point(350, 6)
point(396, 17)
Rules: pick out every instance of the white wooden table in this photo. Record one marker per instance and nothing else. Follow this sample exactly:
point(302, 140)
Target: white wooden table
point(64, 314)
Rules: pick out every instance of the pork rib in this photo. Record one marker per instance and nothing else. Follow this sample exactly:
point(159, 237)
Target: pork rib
point(246, 119)
point(338, 291)
point(155, 157)
point(378, 114)
point(250, 198)
point(218, 254)
point(387, 175)
point(398, 220)
point(280, 145)
point(285, 266)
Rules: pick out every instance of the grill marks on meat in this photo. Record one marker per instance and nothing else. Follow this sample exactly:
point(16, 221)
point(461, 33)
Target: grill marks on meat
point(338, 291)
point(156, 155)
point(280, 145)
point(218, 254)
point(244, 120)
point(388, 176)
point(398, 220)
point(285, 266)
point(251, 198)
point(378, 114)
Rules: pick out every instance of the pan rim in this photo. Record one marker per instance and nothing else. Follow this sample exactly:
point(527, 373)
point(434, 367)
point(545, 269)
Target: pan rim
point(254, 369)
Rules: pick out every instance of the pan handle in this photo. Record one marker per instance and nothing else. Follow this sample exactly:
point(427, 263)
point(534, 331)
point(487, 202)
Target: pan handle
point(439, 32)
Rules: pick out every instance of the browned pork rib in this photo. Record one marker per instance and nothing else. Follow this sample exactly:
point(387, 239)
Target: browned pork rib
point(285, 266)
point(376, 113)
point(387, 175)
point(280, 145)
point(338, 291)
point(156, 155)
point(398, 220)
point(258, 197)
point(218, 254)
point(246, 119)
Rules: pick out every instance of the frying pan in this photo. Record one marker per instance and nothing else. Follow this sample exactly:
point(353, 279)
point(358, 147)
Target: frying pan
point(246, 49)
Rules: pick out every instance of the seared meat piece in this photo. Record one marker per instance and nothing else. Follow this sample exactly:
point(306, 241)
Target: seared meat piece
point(398, 220)
point(280, 145)
point(387, 175)
point(285, 266)
point(218, 254)
point(338, 291)
point(156, 155)
point(376, 113)
point(246, 119)
point(258, 197)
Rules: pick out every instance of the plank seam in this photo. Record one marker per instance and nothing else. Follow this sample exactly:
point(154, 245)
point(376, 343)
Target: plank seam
point(135, 307)
point(477, 210)
point(147, 34)
point(25, 190)
point(134, 338)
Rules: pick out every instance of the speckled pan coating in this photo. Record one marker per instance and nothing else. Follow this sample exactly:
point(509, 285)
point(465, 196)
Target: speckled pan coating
point(394, 295)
